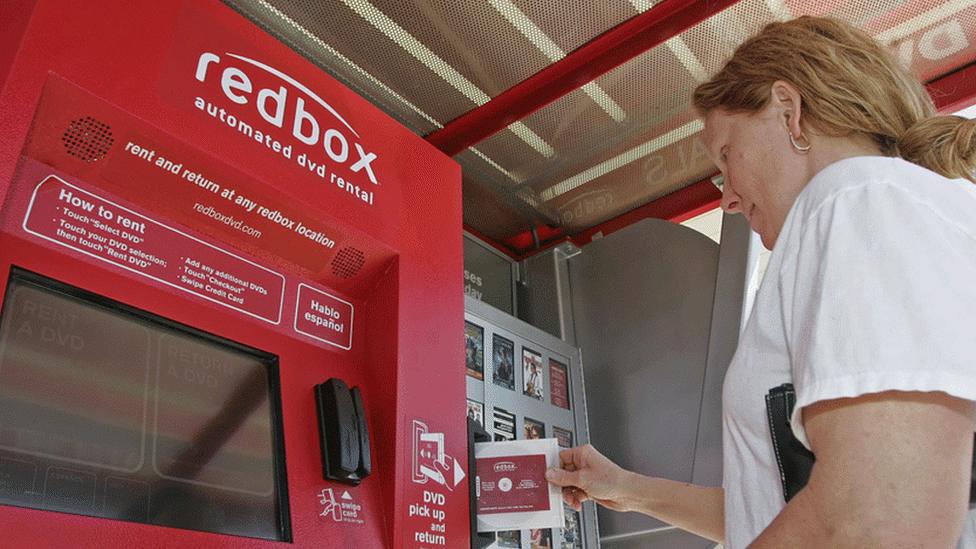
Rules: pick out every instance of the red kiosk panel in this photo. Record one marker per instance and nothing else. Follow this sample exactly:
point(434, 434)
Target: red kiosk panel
point(198, 227)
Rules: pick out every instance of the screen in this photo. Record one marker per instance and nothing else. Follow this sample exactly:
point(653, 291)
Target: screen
point(111, 412)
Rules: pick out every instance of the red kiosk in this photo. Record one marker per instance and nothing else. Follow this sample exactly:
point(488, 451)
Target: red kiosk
point(199, 229)
point(231, 288)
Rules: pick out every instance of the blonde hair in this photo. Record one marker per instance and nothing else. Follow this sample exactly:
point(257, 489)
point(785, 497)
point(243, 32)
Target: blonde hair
point(849, 85)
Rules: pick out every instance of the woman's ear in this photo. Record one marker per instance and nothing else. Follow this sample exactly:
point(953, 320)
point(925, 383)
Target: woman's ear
point(786, 101)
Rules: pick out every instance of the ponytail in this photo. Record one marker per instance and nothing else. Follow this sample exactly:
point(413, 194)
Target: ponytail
point(943, 144)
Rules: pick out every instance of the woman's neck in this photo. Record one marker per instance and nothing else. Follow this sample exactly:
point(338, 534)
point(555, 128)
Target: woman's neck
point(826, 150)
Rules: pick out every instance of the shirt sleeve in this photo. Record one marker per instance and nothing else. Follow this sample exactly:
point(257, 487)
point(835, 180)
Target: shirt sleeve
point(882, 297)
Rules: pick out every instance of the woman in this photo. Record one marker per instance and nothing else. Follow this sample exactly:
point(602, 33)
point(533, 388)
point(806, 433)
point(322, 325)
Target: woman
point(831, 151)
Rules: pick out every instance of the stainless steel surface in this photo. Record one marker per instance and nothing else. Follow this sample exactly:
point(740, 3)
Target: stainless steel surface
point(544, 296)
point(734, 266)
point(643, 302)
point(491, 395)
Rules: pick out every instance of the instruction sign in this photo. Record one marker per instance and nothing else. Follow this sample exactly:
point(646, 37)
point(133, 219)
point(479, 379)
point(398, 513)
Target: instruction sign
point(85, 222)
point(324, 317)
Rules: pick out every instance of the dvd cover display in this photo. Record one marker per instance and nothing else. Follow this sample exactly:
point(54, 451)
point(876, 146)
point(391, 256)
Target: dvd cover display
point(474, 350)
point(532, 429)
point(503, 362)
point(533, 378)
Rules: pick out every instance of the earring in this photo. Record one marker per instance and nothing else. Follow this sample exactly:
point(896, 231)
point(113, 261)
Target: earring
point(797, 146)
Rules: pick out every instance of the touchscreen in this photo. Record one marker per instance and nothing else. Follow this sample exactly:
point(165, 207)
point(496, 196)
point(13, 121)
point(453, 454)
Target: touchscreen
point(110, 412)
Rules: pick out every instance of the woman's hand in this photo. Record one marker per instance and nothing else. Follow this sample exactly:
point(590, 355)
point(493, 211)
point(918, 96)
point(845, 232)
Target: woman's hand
point(587, 474)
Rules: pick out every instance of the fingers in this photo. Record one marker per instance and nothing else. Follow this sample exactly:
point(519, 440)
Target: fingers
point(566, 457)
point(562, 477)
point(579, 455)
point(574, 497)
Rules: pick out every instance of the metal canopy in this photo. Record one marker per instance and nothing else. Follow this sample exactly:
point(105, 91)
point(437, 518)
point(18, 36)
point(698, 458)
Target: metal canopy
point(572, 118)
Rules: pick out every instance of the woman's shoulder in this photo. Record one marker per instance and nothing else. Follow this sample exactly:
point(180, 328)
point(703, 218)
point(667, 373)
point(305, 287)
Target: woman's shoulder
point(870, 182)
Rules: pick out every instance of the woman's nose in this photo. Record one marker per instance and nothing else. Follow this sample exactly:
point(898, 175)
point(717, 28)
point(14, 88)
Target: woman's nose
point(730, 200)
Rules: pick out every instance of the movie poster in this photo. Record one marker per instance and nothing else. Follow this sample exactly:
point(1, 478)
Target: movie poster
point(476, 411)
point(503, 361)
point(474, 350)
point(532, 429)
point(504, 424)
point(563, 437)
point(571, 532)
point(532, 377)
point(540, 538)
point(558, 384)
point(511, 539)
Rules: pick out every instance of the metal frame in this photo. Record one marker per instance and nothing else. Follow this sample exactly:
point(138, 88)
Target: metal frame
point(600, 55)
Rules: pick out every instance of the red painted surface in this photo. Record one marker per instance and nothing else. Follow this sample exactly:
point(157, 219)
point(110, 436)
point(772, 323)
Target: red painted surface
point(134, 67)
point(600, 55)
point(500, 247)
point(14, 16)
point(954, 91)
point(677, 207)
point(524, 242)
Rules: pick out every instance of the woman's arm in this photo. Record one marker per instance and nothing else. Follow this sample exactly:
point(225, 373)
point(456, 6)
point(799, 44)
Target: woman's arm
point(587, 474)
point(892, 471)
point(696, 509)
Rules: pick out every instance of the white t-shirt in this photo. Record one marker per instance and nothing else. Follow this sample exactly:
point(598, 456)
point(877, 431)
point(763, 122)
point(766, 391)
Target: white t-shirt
point(870, 287)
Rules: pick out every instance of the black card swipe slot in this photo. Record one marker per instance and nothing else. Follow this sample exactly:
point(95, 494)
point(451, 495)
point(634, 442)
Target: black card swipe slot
point(343, 432)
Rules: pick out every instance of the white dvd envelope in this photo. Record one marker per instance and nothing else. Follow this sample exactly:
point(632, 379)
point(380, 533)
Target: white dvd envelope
point(512, 492)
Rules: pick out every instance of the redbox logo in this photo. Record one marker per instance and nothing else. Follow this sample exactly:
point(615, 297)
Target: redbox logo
point(504, 467)
point(275, 107)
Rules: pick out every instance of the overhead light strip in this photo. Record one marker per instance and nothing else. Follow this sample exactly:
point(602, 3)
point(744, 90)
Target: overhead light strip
point(441, 68)
point(642, 5)
point(678, 46)
point(417, 49)
point(517, 18)
point(532, 139)
point(623, 159)
point(493, 164)
point(334, 53)
point(680, 49)
point(372, 79)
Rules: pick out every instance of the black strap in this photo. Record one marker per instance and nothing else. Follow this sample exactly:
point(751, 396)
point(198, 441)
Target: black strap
point(795, 462)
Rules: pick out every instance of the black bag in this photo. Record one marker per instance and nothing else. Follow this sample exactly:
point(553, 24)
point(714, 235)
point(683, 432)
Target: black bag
point(794, 460)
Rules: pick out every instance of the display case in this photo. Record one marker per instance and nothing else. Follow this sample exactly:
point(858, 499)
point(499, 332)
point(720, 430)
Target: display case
point(523, 383)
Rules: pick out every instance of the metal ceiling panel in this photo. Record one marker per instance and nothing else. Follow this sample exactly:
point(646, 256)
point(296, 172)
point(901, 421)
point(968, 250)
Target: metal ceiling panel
point(603, 167)
point(570, 24)
point(619, 142)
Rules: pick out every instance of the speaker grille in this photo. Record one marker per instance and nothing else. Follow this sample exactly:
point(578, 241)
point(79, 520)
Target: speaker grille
point(347, 262)
point(88, 139)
